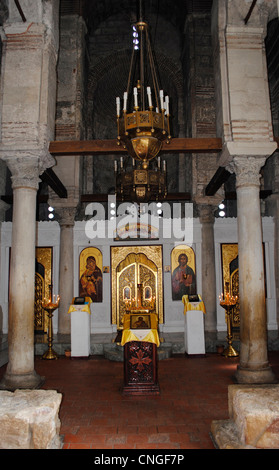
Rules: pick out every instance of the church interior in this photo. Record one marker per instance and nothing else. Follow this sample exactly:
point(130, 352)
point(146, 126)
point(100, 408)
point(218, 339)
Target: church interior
point(139, 216)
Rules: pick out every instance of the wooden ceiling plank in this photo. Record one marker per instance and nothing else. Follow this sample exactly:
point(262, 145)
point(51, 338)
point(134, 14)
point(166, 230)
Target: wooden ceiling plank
point(109, 146)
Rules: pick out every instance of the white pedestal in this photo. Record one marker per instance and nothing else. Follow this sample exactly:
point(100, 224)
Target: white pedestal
point(80, 334)
point(194, 332)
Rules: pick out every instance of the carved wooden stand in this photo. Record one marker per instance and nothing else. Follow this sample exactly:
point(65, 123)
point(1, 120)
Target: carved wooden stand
point(140, 369)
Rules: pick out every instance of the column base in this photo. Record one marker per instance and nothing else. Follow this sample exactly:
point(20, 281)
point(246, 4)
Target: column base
point(12, 382)
point(255, 376)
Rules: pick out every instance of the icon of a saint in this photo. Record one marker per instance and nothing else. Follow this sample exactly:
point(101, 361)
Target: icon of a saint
point(183, 279)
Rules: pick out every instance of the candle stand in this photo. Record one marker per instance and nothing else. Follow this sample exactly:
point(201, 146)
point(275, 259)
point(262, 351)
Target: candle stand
point(50, 306)
point(228, 304)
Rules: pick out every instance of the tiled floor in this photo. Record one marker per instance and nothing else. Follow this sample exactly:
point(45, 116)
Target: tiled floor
point(95, 415)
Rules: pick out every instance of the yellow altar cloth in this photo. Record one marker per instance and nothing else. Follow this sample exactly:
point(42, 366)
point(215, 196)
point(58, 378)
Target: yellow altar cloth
point(148, 335)
point(193, 305)
point(81, 307)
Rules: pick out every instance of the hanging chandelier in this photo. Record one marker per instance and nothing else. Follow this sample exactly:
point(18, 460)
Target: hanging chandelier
point(143, 124)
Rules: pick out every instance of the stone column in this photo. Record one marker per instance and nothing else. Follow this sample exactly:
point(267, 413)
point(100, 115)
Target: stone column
point(66, 267)
point(206, 213)
point(20, 371)
point(253, 366)
point(272, 204)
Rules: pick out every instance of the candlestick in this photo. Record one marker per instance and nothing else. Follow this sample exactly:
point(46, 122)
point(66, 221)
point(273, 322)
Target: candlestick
point(50, 305)
point(228, 302)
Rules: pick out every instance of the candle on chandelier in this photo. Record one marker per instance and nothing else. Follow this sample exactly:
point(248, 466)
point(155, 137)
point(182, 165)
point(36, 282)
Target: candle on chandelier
point(136, 97)
point(167, 105)
point(162, 99)
point(118, 106)
point(125, 98)
point(149, 96)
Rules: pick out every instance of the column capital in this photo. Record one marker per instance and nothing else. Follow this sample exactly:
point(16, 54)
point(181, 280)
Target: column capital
point(247, 170)
point(66, 215)
point(206, 213)
point(26, 165)
point(25, 171)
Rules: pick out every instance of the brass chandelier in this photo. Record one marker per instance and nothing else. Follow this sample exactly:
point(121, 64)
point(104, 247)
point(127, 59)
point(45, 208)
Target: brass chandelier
point(143, 124)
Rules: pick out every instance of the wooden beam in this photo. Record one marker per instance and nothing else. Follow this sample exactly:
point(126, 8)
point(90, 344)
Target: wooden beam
point(219, 178)
point(54, 182)
point(109, 146)
point(104, 197)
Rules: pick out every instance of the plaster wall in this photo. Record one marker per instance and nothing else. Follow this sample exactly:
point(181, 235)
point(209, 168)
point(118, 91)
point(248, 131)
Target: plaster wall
point(225, 231)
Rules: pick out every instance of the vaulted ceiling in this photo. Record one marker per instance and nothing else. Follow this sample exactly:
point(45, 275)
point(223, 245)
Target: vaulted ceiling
point(96, 11)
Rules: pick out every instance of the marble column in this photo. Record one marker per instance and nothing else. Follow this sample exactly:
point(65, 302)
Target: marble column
point(66, 267)
point(206, 213)
point(272, 204)
point(253, 366)
point(20, 371)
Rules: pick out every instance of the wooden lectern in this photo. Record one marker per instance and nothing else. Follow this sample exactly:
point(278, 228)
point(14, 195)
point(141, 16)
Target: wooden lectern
point(140, 340)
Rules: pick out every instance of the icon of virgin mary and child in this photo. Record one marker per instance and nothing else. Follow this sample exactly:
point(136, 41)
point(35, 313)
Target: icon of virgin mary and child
point(90, 283)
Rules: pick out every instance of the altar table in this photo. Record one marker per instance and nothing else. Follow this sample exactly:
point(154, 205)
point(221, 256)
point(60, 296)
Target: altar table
point(140, 358)
point(194, 326)
point(80, 329)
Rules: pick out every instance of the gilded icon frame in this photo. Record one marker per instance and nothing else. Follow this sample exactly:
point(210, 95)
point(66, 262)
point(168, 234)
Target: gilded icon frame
point(83, 256)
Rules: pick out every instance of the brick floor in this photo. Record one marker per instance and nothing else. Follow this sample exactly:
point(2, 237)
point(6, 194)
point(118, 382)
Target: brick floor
point(95, 415)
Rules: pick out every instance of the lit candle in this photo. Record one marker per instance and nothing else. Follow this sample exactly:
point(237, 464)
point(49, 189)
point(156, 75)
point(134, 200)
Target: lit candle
point(149, 96)
point(115, 165)
point(136, 97)
point(121, 162)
